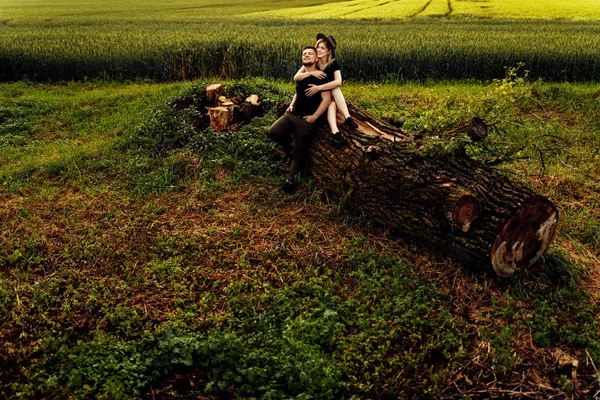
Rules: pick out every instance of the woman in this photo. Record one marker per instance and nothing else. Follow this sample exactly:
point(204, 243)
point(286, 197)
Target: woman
point(329, 68)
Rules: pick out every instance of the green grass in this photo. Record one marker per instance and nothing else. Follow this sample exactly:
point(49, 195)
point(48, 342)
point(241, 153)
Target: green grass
point(185, 40)
point(143, 258)
point(61, 131)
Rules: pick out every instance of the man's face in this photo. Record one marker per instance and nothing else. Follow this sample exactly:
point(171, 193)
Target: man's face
point(309, 57)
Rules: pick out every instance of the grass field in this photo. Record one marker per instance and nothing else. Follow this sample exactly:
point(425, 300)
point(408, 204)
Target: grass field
point(189, 39)
point(384, 9)
point(31, 11)
point(144, 259)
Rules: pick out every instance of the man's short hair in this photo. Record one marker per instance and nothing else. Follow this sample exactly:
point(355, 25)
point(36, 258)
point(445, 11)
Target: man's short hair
point(309, 47)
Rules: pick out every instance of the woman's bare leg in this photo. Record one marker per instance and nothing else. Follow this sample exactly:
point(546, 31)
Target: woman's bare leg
point(331, 117)
point(339, 99)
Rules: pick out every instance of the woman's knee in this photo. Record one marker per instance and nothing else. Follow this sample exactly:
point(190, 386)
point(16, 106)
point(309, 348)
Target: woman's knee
point(336, 95)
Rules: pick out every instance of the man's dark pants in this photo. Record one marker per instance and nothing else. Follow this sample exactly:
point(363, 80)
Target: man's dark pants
point(288, 126)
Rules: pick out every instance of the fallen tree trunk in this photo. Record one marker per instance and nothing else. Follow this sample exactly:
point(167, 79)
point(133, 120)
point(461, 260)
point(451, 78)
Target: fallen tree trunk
point(451, 202)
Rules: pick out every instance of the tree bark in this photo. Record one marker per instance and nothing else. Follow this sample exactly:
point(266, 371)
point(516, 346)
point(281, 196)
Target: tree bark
point(447, 202)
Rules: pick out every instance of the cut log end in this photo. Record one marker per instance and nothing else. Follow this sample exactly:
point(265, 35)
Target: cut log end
point(466, 211)
point(524, 238)
point(253, 100)
point(478, 129)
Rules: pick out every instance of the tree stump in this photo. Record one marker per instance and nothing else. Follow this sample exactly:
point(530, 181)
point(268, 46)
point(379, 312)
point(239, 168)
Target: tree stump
point(450, 202)
point(213, 92)
point(227, 114)
point(221, 118)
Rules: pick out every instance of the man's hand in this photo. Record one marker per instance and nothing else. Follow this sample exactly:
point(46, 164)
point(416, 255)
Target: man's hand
point(319, 74)
point(312, 90)
point(310, 119)
point(290, 108)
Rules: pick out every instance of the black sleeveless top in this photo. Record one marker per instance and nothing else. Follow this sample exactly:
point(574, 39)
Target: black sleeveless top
point(330, 69)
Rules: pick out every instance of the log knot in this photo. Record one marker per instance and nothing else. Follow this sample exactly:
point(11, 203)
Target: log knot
point(373, 152)
point(478, 130)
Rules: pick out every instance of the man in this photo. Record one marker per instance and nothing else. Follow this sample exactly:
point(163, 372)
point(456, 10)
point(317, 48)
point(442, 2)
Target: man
point(300, 120)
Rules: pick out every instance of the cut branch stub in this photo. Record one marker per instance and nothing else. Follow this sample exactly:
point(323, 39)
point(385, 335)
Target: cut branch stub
point(478, 129)
point(466, 211)
point(525, 237)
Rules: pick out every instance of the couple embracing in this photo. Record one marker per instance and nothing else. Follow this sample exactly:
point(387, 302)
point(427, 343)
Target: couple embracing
point(317, 92)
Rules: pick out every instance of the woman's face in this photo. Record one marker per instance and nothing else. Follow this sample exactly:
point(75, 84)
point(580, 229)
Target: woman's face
point(322, 50)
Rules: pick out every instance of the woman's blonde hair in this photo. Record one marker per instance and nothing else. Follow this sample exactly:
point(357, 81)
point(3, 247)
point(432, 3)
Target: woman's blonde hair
point(331, 51)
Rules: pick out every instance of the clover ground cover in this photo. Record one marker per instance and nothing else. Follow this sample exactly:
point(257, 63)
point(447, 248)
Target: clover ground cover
point(175, 268)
